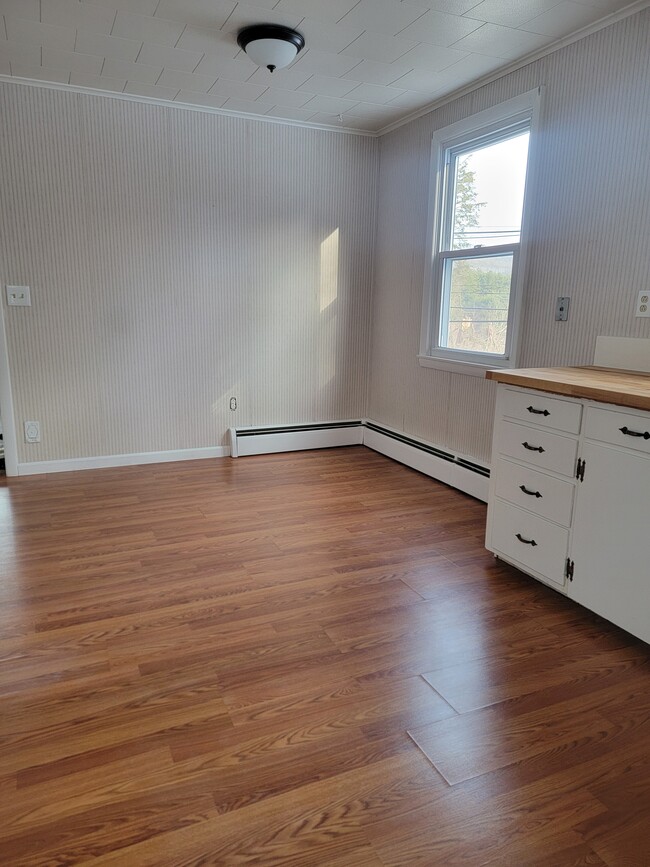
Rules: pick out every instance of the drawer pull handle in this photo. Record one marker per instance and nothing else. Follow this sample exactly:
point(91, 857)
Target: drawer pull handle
point(538, 411)
point(530, 448)
point(530, 493)
point(635, 433)
point(525, 541)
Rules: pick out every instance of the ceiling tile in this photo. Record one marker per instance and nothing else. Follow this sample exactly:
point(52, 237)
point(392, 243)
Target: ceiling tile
point(152, 90)
point(239, 68)
point(438, 28)
point(325, 85)
point(561, 19)
point(331, 104)
point(421, 80)
point(249, 106)
point(72, 61)
point(370, 110)
point(326, 36)
point(431, 57)
point(208, 99)
point(39, 73)
point(238, 89)
point(286, 98)
point(131, 71)
point(290, 113)
point(72, 13)
point(107, 46)
point(374, 93)
point(328, 119)
point(504, 42)
point(13, 51)
point(454, 7)
point(323, 63)
point(21, 9)
point(411, 100)
point(246, 14)
point(202, 13)
point(374, 72)
point(208, 41)
point(378, 46)
point(289, 79)
point(141, 7)
point(35, 33)
point(382, 16)
point(98, 82)
point(147, 29)
point(327, 10)
point(509, 13)
point(185, 80)
point(174, 58)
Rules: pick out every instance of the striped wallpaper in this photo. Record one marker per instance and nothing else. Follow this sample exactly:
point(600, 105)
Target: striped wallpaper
point(177, 259)
point(590, 224)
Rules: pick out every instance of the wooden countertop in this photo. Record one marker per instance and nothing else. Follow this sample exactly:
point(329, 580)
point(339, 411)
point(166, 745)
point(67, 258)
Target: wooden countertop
point(622, 387)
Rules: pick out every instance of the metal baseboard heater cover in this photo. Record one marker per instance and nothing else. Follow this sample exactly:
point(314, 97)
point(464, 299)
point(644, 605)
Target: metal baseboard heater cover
point(455, 470)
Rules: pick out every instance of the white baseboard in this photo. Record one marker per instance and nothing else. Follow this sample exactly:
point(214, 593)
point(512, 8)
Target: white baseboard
point(257, 441)
point(448, 471)
point(67, 465)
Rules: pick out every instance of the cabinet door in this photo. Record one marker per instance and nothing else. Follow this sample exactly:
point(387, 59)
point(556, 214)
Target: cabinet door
point(611, 538)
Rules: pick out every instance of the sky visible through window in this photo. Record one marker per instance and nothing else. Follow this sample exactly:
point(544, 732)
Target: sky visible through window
point(499, 179)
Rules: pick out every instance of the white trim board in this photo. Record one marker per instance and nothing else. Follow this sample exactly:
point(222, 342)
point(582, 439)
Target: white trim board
point(66, 465)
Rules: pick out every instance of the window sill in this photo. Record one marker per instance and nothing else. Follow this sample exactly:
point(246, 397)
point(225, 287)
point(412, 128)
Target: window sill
point(467, 368)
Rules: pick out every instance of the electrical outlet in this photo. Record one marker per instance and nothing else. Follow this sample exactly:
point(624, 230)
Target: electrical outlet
point(562, 308)
point(643, 304)
point(19, 296)
point(233, 403)
point(32, 431)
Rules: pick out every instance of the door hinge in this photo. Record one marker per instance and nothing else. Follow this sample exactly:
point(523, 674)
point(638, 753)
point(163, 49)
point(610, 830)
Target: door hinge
point(580, 470)
point(568, 569)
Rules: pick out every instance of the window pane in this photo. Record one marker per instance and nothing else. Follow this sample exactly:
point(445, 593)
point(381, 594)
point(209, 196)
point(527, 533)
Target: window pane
point(489, 193)
point(475, 303)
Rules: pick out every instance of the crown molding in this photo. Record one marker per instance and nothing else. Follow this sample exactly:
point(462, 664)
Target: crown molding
point(183, 106)
point(551, 48)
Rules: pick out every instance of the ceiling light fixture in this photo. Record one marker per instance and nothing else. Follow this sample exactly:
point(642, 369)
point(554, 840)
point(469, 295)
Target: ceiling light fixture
point(271, 45)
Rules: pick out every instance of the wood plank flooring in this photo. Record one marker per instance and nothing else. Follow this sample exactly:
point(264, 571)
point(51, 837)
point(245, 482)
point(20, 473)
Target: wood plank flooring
point(301, 659)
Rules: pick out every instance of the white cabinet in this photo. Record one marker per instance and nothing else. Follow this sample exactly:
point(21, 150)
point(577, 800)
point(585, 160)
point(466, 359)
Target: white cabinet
point(570, 500)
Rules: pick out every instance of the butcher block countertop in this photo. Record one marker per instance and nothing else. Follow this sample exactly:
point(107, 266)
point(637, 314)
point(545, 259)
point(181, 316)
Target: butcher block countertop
point(622, 387)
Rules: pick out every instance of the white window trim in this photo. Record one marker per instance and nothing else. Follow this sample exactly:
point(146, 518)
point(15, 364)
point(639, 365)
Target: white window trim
point(526, 105)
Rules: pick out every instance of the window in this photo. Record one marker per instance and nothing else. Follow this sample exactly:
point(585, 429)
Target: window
point(473, 282)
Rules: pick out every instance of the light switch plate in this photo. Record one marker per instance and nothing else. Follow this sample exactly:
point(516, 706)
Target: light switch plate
point(562, 308)
point(19, 296)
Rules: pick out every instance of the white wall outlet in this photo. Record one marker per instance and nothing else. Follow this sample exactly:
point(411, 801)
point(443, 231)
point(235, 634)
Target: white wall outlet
point(233, 403)
point(32, 431)
point(643, 304)
point(19, 296)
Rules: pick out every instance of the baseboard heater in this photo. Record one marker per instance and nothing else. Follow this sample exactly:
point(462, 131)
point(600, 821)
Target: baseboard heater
point(454, 470)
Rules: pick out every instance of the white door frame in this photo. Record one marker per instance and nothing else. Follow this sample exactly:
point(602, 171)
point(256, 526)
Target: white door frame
point(7, 403)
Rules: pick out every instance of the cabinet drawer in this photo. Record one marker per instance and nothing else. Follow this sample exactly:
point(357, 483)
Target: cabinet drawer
point(618, 428)
point(545, 495)
point(513, 533)
point(541, 448)
point(550, 412)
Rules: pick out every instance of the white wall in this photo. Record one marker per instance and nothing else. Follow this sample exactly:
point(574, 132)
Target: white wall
point(588, 235)
point(178, 258)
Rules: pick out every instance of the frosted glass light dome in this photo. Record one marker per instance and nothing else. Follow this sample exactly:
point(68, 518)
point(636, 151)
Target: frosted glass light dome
point(270, 45)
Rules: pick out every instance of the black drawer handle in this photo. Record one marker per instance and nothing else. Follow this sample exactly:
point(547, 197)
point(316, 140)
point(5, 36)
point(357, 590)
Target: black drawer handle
point(533, 448)
point(530, 493)
point(525, 541)
point(635, 433)
point(538, 411)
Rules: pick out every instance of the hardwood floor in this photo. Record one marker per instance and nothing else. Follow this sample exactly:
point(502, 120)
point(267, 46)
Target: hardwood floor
point(301, 659)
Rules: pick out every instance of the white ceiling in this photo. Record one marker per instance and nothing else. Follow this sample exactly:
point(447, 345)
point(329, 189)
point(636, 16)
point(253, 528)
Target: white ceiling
point(369, 61)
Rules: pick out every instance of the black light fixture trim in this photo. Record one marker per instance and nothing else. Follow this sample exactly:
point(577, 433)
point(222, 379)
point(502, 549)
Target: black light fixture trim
point(270, 31)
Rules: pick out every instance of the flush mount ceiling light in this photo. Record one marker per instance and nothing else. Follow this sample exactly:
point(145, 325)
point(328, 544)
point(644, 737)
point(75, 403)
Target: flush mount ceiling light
point(270, 45)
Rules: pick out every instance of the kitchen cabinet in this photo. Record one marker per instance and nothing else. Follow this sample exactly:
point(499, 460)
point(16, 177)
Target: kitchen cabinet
point(570, 499)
